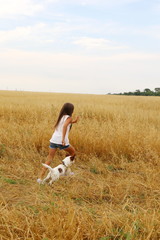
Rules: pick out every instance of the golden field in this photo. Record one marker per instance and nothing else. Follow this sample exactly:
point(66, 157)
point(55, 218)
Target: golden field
point(115, 192)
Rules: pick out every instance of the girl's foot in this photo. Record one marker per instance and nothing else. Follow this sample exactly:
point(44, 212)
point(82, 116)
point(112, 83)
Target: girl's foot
point(39, 181)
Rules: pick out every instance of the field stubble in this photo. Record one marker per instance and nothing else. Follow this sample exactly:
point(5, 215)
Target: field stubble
point(114, 194)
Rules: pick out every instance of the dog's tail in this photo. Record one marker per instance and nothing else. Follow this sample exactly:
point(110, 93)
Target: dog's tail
point(47, 166)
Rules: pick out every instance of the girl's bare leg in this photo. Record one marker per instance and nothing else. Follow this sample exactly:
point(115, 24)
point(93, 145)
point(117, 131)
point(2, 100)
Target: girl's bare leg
point(50, 157)
point(70, 150)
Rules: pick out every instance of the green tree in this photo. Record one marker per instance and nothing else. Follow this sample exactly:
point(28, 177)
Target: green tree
point(137, 92)
point(157, 90)
point(147, 90)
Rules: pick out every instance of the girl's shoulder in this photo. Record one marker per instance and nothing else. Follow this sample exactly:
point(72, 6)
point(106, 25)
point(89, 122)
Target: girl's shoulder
point(66, 116)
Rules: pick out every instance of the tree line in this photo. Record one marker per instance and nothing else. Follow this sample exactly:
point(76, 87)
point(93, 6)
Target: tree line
point(145, 92)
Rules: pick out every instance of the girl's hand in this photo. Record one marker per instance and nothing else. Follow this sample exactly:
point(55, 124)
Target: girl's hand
point(63, 142)
point(76, 120)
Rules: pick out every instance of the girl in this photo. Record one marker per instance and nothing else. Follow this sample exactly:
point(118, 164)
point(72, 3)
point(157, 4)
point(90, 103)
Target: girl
point(60, 138)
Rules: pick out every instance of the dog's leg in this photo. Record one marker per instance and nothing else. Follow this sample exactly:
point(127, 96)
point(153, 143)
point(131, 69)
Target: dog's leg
point(54, 177)
point(45, 179)
point(69, 172)
point(50, 182)
point(53, 180)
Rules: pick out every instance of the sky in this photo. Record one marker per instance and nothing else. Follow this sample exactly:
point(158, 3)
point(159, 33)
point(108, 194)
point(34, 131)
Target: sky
point(79, 46)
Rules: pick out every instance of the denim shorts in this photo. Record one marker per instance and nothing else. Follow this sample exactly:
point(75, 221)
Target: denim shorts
point(55, 145)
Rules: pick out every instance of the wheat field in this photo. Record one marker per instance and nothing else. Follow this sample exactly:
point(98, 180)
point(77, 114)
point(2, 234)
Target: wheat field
point(115, 191)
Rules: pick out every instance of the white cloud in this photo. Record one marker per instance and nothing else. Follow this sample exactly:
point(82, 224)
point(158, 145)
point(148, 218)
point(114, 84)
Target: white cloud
point(101, 2)
point(12, 8)
point(135, 56)
point(98, 43)
point(94, 64)
point(78, 73)
point(150, 31)
point(39, 33)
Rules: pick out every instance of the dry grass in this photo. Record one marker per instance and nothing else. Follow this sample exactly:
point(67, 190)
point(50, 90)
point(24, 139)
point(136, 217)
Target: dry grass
point(114, 194)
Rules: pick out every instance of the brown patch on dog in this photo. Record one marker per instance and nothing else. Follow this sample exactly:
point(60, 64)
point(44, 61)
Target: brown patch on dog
point(72, 157)
point(60, 170)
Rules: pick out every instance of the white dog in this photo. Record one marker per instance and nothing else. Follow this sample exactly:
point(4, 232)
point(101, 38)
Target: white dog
point(61, 170)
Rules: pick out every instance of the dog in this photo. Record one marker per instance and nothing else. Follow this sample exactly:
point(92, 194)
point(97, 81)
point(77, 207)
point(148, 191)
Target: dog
point(61, 170)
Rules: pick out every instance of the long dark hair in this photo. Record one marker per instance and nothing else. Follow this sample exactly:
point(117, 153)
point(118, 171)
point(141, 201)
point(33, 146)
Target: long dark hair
point(67, 109)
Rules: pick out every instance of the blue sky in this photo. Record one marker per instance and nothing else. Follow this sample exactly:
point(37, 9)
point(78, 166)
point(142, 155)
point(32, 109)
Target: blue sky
point(79, 46)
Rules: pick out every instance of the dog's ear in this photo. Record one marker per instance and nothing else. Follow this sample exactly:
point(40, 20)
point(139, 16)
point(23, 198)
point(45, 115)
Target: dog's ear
point(72, 158)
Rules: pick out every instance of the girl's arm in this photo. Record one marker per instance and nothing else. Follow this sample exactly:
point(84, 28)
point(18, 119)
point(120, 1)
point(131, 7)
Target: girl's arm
point(67, 122)
point(76, 120)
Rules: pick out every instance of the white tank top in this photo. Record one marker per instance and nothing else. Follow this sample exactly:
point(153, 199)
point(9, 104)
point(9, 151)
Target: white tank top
point(57, 135)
